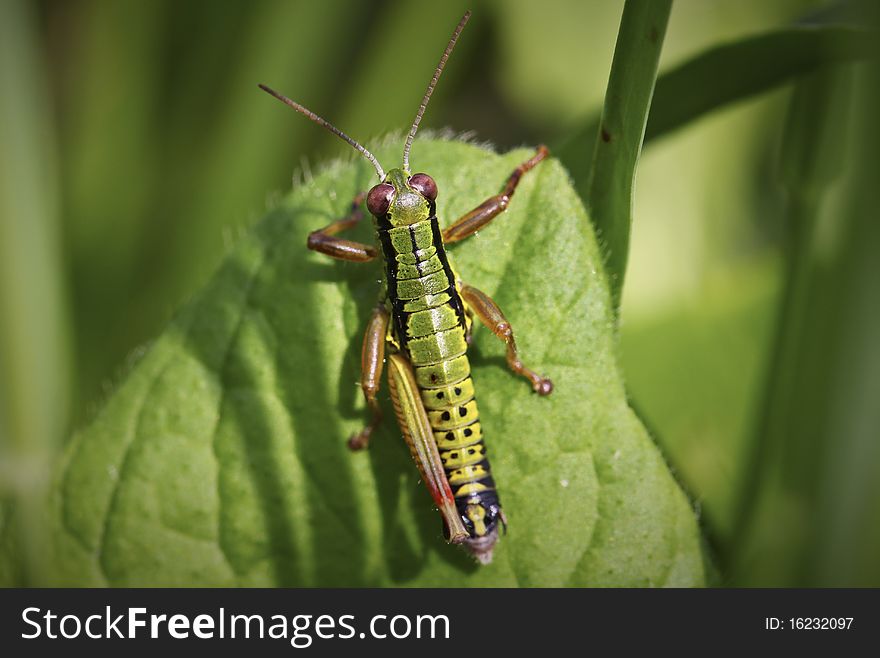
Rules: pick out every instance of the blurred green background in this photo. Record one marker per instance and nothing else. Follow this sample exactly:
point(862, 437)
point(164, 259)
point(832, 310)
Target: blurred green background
point(136, 147)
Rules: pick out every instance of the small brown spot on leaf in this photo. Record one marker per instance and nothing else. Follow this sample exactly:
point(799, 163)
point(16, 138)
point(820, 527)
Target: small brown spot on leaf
point(606, 136)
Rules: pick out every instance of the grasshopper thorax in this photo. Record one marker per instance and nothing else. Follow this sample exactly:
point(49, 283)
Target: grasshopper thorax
point(402, 200)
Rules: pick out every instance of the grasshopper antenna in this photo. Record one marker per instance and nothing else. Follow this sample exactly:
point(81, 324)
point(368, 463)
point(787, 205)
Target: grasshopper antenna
point(329, 126)
point(431, 85)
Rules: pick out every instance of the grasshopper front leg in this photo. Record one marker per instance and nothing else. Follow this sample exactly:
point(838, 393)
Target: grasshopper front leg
point(325, 241)
point(484, 213)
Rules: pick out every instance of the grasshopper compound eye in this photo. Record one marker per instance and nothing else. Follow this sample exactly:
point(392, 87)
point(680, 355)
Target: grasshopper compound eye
point(379, 198)
point(424, 185)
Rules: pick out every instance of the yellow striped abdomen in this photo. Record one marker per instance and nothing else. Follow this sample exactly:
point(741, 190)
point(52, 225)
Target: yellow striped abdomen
point(429, 325)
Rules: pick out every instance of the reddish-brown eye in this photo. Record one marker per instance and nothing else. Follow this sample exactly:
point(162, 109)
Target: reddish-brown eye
point(425, 185)
point(379, 198)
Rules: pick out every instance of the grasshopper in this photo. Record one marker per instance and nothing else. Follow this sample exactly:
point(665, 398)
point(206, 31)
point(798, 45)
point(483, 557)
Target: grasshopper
point(421, 328)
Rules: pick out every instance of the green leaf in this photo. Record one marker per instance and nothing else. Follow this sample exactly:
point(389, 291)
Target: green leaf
point(609, 188)
point(221, 459)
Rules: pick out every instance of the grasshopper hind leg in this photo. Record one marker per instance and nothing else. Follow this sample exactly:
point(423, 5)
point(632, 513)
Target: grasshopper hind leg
point(419, 436)
point(490, 315)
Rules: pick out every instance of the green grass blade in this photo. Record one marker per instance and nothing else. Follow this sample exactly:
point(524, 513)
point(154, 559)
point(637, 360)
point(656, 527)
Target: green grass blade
point(713, 79)
point(736, 71)
point(33, 322)
point(110, 169)
point(609, 190)
point(807, 515)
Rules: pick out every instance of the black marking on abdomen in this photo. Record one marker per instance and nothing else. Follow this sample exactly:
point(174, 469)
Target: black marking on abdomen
point(455, 300)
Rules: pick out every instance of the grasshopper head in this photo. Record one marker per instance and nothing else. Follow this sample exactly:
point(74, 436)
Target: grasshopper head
point(401, 200)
